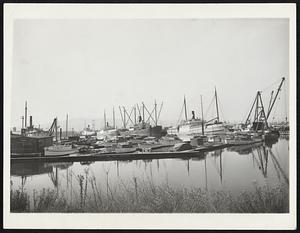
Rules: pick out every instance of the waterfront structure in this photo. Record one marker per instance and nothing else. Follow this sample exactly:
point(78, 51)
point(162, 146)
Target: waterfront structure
point(22, 145)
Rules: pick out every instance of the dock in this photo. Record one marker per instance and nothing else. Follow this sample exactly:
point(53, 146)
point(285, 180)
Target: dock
point(199, 151)
point(138, 155)
point(110, 157)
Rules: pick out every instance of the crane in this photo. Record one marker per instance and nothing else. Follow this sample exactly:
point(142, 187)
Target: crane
point(260, 116)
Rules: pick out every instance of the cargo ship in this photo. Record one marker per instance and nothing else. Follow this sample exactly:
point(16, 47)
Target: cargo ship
point(140, 125)
point(31, 141)
point(145, 130)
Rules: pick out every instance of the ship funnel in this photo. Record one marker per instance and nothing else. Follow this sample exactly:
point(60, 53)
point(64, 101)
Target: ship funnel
point(60, 134)
point(193, 115)
point(30, 122)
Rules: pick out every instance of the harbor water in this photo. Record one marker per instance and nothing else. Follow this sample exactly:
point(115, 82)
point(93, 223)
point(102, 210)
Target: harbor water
point(233, 169)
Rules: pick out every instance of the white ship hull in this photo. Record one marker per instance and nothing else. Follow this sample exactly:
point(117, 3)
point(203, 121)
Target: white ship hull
point(215, 129)
point(108, 134)
point(88, 133)
point(187, 132)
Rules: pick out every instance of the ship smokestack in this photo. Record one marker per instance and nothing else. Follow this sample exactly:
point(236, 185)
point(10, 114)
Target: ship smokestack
point(30, 122)
point(193, 115)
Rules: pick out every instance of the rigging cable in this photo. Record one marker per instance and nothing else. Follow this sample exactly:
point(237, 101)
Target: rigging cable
point(246, 114)
point(271, 85)
point(221, 109)
point(285, 103)
point(209, 106)
point(180, 115)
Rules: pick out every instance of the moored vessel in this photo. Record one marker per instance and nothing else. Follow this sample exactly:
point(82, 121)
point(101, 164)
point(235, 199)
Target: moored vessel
point(59, 150)
point(194, 127)
point(141, 126)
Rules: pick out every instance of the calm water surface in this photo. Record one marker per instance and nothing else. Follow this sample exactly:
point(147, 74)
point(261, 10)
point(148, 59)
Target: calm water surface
point(234, 169)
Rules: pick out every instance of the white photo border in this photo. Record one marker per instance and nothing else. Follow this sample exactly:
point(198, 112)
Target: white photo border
point(139, 220)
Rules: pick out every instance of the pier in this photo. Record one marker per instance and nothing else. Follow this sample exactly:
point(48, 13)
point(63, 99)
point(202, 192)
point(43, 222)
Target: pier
point(122, 156)
point(195, 152)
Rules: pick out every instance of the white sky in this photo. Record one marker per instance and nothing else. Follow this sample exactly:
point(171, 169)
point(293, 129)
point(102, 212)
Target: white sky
point(82, 67)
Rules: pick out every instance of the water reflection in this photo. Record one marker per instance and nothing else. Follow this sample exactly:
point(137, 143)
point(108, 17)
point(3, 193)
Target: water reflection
point(243, 165)
point(29, 169)
point(279, 171)
point(270, 143)
point(86, 162)
point(260, 158)
point(217, 161)
point(25, 170)
point(248, 149)
point(243, 149)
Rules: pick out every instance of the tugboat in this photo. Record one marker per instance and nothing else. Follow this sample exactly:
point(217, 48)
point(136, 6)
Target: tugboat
point(58, 149)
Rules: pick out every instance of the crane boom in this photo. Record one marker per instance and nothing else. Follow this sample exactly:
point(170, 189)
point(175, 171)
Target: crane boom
point(278, 90)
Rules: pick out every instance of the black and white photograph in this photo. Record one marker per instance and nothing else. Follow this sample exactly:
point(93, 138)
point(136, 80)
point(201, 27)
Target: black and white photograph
point(150, 115)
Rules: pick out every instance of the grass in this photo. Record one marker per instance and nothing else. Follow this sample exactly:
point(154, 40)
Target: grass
point(145, 197)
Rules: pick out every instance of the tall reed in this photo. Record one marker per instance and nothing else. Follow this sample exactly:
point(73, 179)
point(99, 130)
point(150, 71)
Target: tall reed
point(144, 196)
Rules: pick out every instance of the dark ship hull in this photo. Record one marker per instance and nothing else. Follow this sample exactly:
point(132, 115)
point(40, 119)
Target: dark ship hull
point(155, 131)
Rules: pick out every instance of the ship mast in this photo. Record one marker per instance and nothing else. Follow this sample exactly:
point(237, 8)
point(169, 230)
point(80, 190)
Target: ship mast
point(22, 122)
point(202, 122)
point(217, 105)
point(104, 120)
point(26, 114)
point(114, 119)
point(134, 108)
point(56, 136)
point(185, 113)
point(124, 110)
point(143, 112)
point(155, 109)
point(67, 126)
